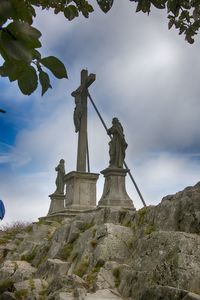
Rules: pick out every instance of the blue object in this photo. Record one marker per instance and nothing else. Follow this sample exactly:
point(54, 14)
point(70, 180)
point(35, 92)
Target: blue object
point(2, 210)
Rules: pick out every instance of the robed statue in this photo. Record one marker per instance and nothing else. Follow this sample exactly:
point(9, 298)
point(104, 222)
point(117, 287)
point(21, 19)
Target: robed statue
point(60, 169)
point(117, 145)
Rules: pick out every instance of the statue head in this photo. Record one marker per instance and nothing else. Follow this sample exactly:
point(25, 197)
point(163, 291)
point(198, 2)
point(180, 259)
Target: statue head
point(62, 161)
point(115, 121)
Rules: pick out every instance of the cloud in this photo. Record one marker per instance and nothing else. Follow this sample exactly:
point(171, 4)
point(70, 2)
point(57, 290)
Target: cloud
point(162, 174)
point(9, 155)
point(53, 28)
point(24, 196)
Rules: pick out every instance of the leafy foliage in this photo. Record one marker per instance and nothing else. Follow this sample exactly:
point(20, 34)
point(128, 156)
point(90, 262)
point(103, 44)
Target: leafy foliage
point(19, 40)
point(105, 5)
point(182, 14)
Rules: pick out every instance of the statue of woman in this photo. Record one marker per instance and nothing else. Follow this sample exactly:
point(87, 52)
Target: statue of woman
point(117, 145)
point(60, 177)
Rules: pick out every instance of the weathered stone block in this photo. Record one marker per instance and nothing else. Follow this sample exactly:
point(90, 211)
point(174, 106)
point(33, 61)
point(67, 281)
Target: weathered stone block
point(53, 268)
point(80, 190)
point(114, 192)
point(57, 203)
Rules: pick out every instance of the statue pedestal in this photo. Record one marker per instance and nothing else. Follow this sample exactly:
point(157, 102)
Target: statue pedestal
point(80, 190)
point(57, 203)
point(114, 192)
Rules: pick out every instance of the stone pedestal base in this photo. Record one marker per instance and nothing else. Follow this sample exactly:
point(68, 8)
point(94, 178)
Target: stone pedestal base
point(114, 192)
point(57, 203)
point(80, 190)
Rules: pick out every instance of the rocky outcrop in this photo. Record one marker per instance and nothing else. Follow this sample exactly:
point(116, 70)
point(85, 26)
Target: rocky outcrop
point(108, 253)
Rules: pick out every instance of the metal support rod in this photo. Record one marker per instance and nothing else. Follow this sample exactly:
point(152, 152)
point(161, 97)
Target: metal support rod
point(135, 184)
point(88, 157)
point(106, 128)
point(98, 113)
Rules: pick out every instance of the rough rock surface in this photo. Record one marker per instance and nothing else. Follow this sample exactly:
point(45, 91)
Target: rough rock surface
point(109, 253)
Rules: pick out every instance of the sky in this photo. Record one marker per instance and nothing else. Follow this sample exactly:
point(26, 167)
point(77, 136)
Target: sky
point(146, 75)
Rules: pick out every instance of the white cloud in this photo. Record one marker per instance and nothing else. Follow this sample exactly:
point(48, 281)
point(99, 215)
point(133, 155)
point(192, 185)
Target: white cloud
point(53, 28)
point(162, 174)
point(50, 139)
point(9, 155)
point(25, 196)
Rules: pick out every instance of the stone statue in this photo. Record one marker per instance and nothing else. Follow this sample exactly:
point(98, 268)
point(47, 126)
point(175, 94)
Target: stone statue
point(117, 145)
point(60, 177)
point(78, 111)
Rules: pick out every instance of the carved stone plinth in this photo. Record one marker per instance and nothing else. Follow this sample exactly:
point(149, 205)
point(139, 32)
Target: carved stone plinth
point(57, 203)
point(80, 190)
point(114, 192)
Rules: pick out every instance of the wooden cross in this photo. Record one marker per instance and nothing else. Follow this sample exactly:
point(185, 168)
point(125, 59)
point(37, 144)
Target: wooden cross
point(80, 113)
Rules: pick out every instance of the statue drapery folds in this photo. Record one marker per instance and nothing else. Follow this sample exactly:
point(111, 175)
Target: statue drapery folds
point(60, 169)
point(117, 145)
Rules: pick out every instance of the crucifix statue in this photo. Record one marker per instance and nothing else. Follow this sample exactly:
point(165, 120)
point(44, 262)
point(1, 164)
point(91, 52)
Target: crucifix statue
point(80, 118)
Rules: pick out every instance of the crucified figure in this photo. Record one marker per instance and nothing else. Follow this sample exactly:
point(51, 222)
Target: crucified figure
point(78, 111)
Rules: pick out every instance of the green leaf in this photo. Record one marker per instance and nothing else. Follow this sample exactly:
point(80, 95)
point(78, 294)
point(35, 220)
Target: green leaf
point(44, 81)
point(2, 51)
point(24, 32)
point(13, 69)
point(186, 4)
point(6, 11)
point(85, 12)
point(57, 10)
point(189, 39)
point(71, 12)
point(105, 5)
point(158, 3)
point(173, 7)
point(2, 72)
point(144, 5)
point(22, 10)
point(67, 14)
point(14, 48)
point(55, 66)
point(36, 54)
point(182, 29)
point(90, 8)
point(24, 28)
point(28, 81)
point(171, 23)
point(139, 7)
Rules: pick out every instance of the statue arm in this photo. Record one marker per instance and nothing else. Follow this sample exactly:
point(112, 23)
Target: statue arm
point(57, 168)
point(110, 131)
